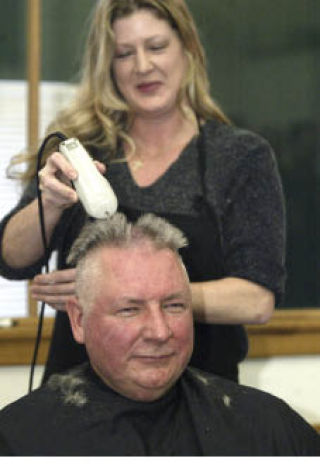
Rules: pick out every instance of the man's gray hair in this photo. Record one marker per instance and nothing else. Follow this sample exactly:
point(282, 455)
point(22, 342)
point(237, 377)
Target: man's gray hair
point(117, 231)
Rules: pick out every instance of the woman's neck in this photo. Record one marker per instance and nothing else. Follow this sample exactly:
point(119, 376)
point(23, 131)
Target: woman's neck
point(150, 135)
point(158, 144)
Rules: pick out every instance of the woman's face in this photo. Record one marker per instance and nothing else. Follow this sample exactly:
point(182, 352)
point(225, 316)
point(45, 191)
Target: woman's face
point(149, 63)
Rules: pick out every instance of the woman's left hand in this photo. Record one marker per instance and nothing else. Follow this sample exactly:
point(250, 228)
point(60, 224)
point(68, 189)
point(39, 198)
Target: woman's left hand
point(54, 288)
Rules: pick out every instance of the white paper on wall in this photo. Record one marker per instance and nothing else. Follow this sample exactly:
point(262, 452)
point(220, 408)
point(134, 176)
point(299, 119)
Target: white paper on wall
point(13, 130)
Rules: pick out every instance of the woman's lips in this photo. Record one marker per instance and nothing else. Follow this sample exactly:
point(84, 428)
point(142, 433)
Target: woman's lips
point(148, 87)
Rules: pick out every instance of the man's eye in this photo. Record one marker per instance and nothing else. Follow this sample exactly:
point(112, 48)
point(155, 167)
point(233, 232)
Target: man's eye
point(175, 307)
point(128, 311)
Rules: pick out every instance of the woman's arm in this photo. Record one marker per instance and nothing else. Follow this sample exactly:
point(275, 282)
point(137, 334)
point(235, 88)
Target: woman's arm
point(231, 301)
point(22, 242)
point(252, 212)
point(22, 245)
point(224, 301)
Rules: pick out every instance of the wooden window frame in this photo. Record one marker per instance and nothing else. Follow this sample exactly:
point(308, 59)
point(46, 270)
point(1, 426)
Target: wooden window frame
point(289, 332)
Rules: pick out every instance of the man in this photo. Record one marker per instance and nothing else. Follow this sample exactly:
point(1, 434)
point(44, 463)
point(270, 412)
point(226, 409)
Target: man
point(137, 397)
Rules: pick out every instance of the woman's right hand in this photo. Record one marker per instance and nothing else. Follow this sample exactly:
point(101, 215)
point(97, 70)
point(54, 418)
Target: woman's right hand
point(22, 243)
point(55, 182)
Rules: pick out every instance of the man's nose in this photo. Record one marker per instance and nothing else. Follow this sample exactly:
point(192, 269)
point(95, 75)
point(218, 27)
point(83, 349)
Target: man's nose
point(143, 62)
point(157, 326)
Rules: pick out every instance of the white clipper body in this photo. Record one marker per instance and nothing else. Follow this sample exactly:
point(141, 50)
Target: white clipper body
point(93, 189)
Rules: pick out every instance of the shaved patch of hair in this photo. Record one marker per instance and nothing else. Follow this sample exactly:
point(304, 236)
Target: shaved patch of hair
point(117, 231)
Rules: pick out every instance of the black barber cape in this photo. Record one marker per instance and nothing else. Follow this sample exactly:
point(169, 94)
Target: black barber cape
point(75, 414)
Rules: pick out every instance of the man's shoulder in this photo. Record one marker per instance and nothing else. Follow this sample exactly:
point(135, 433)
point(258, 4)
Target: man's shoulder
point(46, 414)
point(29, 402)
point(60, 389)
point(27, 418)
point(244, 402)
point(240, 396)
point(251, 414)
point(218, 387)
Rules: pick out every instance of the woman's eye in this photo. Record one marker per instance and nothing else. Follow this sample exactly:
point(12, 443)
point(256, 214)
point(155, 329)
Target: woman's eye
point(121, 55)
point(158, 47)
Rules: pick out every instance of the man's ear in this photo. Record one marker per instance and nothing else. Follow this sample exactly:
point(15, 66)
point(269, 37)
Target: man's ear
point(75, 314)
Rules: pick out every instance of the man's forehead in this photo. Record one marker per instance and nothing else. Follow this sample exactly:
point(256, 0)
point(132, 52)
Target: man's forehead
point(143, 266)
point(167, 297)
point(131, 254)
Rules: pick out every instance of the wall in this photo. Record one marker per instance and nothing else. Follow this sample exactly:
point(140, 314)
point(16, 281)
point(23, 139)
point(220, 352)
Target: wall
point(13, 97)
point(263, 58)
point(294, 379)
point(264, 69)
point(14, 382)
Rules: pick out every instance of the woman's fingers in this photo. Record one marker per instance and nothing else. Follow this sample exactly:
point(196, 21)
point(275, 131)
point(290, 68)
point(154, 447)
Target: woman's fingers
point(54, 288)
point(55, 181)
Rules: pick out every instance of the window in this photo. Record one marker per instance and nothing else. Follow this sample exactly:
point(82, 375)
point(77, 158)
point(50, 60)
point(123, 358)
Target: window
point(263, 57)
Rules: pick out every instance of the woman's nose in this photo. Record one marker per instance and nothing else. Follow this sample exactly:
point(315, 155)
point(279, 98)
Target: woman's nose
point(143, 62)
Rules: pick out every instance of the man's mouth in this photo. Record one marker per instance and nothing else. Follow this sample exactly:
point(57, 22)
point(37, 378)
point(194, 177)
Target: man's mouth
point(153, 358)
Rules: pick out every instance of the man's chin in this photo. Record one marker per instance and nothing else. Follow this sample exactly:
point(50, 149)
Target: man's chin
point(149, 394)
point(153, 386)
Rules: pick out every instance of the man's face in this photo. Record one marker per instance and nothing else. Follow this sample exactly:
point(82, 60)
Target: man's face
point(139, 330)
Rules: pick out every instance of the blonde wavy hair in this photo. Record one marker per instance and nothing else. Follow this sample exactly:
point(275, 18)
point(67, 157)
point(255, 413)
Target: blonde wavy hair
point(98, 116)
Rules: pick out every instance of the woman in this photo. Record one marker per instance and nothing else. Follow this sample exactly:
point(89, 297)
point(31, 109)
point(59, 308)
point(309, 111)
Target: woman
point(143, 108)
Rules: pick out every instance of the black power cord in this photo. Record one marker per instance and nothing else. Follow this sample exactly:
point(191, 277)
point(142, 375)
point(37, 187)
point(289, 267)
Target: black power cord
point(62, 137)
